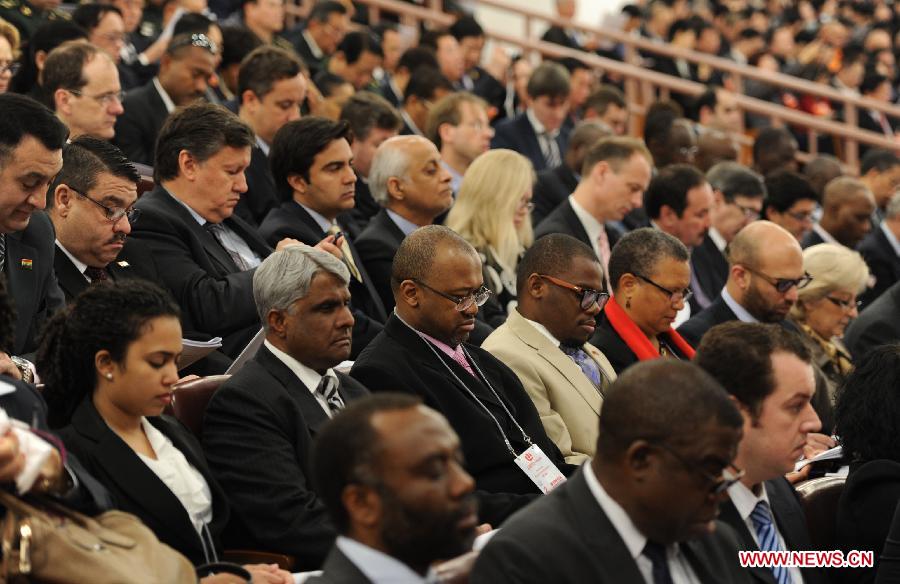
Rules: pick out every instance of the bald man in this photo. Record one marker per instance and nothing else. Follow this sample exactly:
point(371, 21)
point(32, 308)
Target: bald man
point(765, 271)
point(847, 209)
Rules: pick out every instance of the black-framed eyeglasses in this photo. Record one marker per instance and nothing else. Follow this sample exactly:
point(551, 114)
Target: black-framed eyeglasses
point(674, 295)
point(104, 99)
point(113, 214)
point(749, 212)
point(588, 295)
point(463, 303)
point(11, 66)
point(782, 285)
point(730, 474)
point(847, 305)
point(801, 216)
point(198, 40)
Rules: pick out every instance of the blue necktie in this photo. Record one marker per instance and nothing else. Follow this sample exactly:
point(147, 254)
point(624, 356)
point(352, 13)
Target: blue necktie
point(768, 538)
point(586, 363)
point(656, 553)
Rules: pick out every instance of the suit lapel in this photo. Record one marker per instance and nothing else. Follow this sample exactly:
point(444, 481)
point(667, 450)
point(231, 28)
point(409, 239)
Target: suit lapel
point(22, 281)
point(249, 235)
point(374, 299)
point(70, 279)
point(575, 226)
point(729, 514)
point(210, 245)
point(313, 414)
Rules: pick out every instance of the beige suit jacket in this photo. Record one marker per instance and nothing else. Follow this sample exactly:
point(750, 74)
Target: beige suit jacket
point(565, 398)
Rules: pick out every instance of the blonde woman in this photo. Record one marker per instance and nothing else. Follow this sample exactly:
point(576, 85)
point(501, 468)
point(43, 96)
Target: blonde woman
point(9, 54)
point(493, 213)
point(825, 307)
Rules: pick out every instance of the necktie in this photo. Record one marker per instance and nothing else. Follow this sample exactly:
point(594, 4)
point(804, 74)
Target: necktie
point(656, 553)
point(768, 538)
point(551, 151)
point(702, 299)
point(328, 388)
point(586, 363)
point(460, 358)
point(605, 252)
point(95, 274)
point(345, 251)
point(218, 232)
point(2, 251)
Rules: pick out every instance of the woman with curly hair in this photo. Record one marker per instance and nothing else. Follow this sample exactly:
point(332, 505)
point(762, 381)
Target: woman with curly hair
point(867, 419)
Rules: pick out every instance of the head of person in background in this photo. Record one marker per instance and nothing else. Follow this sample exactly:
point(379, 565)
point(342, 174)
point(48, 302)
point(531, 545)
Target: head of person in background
point(31, 142)
point(821, 170)
point(372, 121)
point(679, 201)
point(327, 24)
point(790, 202)
point(105, 26)
point(520, 72)
point(709, 39)
point(614, 177)
point(47, 37)
point(775, 149)
point(407, 178)
point(271, 89)
point(132, 13)
point(847, 208)
point(411, 59)
point(448, 53)
point(238, 42)
point(91, 202)
point(426, 86)
point(876, 86)
point(356, 58)
point(713, 147)
point(492, 212)
point(335, 90)
point(9, 54)
point(548, 90)
point(194, 23)
point(265, 18)
point(392, 45)
point(582, 82)
point(470, 36)
point(83, 84)
point(390, 473)
point(739, 194)
point(187, 66)
point(880, 171)
point(607, 104)
point(458, 125)
point(669, 137)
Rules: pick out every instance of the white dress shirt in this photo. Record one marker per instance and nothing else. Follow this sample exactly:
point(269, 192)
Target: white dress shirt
point(541, 329)
point(170, 105)
point(717, 239)
point(738, 310)
point(313, 45)
point(309, 377)
point(892, 239)
point(591, 226)
point(377, 566)
point(79, 265)
point(826, 237)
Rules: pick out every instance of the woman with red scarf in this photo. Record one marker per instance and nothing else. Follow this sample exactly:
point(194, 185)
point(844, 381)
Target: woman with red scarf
point(650, 274)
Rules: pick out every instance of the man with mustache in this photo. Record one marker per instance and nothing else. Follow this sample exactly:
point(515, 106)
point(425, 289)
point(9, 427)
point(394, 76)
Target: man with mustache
point(260, 425)
point(391, 474)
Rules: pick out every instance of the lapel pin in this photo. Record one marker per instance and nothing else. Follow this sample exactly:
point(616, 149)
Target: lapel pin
point(122, 264)
point(27, 264)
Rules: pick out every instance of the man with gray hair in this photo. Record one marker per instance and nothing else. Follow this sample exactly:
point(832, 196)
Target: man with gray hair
point(881, 250)
point(267, 415)
point(413, 188)
point(847, 209)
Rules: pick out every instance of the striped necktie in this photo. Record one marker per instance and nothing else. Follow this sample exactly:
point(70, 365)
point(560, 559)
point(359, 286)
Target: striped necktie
point(2, 251)
point(345, 251)
point(768, 538)
point(328, 388)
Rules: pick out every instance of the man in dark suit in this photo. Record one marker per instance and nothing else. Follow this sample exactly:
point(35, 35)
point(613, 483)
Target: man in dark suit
point(764, 367)
point(881, 250)
point(790, 202)
point(271, 89)
point(259, 427)
point(311, 164)
point(876, 325)
point(426, 86)
point(615, 173)
point(318, 40)
point(554, 185)
point(390, 474)
point(879, 170)
point(206, 256)
point(31, 141)
point(189, 61)
point(539, 133)
point(438, 286)
point(643, 510)
point(847, 208)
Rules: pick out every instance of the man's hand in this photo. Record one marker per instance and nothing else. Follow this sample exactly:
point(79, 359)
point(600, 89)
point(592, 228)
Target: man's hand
point(331, 244)
point(269, 574)
point(816, 444)
point(7, 367)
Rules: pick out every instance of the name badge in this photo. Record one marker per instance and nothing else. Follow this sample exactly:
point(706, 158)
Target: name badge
point(540, 469)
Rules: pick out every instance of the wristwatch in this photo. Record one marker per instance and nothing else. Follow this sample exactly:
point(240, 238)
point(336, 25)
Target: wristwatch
point(24, 368)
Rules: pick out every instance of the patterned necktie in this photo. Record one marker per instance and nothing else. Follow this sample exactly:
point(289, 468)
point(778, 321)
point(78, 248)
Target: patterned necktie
point(218, 232)
point(328, 388)
point(768, 538)
point(95, 274)
point(551, 151)
point(586, 363)
point(2, 251)
point(656, 553)
point(345, 251)
point(605, 252)
point(460, 358)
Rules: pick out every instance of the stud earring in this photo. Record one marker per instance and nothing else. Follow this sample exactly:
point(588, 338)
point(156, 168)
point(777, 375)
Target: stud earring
point(108, 376)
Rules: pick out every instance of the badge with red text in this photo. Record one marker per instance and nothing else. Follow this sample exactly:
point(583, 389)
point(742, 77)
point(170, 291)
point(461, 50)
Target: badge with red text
point(540, 469)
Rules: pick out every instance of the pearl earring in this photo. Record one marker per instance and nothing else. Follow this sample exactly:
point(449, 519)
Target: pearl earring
point(108, 376)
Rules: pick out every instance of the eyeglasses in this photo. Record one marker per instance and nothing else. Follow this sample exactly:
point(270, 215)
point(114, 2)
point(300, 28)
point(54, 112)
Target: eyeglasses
point(782, 285)
point(847, 305)
point(674, 295)
point(195, 40)
point(11, 66)
point(104, 99)
point(113, 214)
point(749, 212)
point(588, 295)
point(463, 303)
point(730, 474)
point(688, 151)
point(801, 216)
point(525, 204)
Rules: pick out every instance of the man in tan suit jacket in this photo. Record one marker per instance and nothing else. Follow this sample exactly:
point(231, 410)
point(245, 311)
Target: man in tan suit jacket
point(544, 341)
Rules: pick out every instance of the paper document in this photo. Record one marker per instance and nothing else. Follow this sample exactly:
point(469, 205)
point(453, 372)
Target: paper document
point(831, 454)
point(193, 351)
point(248, 353)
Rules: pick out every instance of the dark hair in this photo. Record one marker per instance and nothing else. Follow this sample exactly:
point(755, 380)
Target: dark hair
point(550, 79)
point(23, 116)
point(346, 451)
point(416, 57)
point(47, 37)
point(879, 159)
point(600, 99)
point(663, 401)
point(681, 25)
point(466, 26)
point(104, 317)
point(769, 138)
point(202, 129)
point(424, 83)
point(638, 252)
point(192, 23)
point(85, 158)
point(430, 38)
point(297, 143)
point(551, 255)
point(670, 187)
point(867, 407)
point(416, 254)
point(263, 67)
point(871, 81)
point(706, 99)
point(784, 188)
point(238, 42)
point(355, 43)
point(366, 110)
point(327, 82)
point(572, 64)
point(88, 16)
point(734, 179)
point(749, 33)
point(64, 67)
point(321, 11)
point(739, 355)
point(658, 125)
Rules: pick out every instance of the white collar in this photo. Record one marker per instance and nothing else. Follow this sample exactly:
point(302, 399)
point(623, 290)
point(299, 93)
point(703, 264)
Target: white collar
point(170, 105)
point(313, 45)
point(197, 217)
point(739, 311)
point(455, 177)
point(892, 239)
point(375, 565)
point(540, 328)
point(404, 224)
point(320, 219)
point(827, 237)
point(262, 145)
point(409, 122)
point(717, 238)
point(79, 265)
point(745, 500)
point(634, 540)
point(309, 377)
point(588, 221)
point(537, 125)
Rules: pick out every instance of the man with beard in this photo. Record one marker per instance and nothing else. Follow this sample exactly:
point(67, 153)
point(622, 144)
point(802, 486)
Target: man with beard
point(391, 475)
point(765, 272)
point(438, 287)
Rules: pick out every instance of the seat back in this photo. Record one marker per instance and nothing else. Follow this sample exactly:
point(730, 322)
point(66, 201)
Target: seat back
point(191, 398)
point(820, 499)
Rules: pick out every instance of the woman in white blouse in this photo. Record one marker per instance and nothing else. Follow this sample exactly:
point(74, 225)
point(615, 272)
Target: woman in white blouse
point(109, 364)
